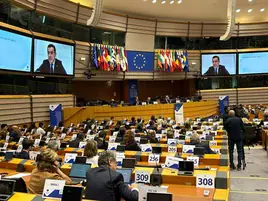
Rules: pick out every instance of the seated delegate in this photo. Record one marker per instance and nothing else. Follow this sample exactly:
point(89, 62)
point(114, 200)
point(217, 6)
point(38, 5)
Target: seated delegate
point(195, 140)
point(130, 143)
point(26, 147)
point(91, 152)
point(47, 168)
point(75, 143)
point(104, 183)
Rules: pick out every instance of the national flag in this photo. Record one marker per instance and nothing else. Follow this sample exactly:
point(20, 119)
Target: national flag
point(118, 65)
point(95, 57)
point(140, 61)
point(186, 64)
point(160, 61)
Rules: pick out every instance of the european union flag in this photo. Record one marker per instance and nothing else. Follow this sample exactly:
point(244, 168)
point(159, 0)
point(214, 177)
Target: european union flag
point(140, 61)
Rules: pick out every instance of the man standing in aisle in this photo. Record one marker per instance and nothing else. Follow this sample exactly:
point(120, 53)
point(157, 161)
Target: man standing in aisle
point(235, 128)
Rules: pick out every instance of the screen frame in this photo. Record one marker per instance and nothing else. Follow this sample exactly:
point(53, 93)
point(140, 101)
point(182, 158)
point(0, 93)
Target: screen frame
point(17, 72)
point(219, 53)
point(249, 74)
point(55, 41)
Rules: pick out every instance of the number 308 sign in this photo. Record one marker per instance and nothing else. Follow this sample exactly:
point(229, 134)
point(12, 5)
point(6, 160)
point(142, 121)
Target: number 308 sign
point(205, 181)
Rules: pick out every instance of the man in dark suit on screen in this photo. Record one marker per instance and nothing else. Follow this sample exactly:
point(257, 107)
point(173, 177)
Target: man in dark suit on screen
point(51, 65)
point(217, 69)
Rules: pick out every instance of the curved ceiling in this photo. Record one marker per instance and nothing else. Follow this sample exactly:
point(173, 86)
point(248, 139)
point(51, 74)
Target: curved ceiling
point(190, 10)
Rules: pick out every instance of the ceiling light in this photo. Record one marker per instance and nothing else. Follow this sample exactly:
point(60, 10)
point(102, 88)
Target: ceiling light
point(262, 9)
point(238, 10)
point(163, 2)
point(154, 1)
point(82, 58)
point(179, 1)
point(172, 2)
point(193, 63)
point(250, 0)
point(249, 10)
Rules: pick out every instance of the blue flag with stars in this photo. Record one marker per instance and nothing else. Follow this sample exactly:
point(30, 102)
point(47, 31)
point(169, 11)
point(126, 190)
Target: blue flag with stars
point(140, 61)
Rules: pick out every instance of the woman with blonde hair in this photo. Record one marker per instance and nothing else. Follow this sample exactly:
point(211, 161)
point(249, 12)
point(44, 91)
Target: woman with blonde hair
point(47, 168)
point(195, 140)
point(91, 152)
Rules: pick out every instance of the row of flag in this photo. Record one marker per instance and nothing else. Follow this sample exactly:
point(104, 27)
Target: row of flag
point(173, 61)
point(113, 58)
point(110, 58)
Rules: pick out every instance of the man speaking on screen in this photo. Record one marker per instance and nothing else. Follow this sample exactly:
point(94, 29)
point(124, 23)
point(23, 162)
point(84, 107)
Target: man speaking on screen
point(51, 65)
point(217, 69)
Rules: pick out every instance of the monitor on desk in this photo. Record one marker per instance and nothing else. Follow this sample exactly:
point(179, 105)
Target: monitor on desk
point(126, 172)
point(79, 170)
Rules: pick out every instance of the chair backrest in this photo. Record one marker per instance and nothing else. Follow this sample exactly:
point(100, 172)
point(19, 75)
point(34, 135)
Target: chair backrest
point(250, 131)
point(20, 185)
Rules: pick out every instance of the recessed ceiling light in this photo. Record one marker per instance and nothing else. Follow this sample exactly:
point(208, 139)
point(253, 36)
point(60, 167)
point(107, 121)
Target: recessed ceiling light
point(154, 1)
point(250, 0)
point(262, 9)
point(172, 2)
point(193, 63)
point(163, 2)
point(250, 10)
point(179, 1)
point(238, 10)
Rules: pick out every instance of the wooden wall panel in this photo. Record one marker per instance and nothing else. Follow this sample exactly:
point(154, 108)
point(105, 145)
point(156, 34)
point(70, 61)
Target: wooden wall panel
point(15, 109)
point(165, 28)
point(253, 96)
point(214, 95)
point(84, 14)
point(25, 3)
point(98, 90)
point(82, 50)
point(113, 22)
point(41, 105)
point(200, 109)
point(141, 26)
point(140, 42)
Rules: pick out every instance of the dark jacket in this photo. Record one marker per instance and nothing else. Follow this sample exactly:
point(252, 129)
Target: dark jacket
point(75, 143)
point(100, 186)
point(152, 140)
point(58, 68)
point(200, 144)
point(22, 155)
point(235, 128)
point(132, 147)
point(225, 116)
point(221, 71)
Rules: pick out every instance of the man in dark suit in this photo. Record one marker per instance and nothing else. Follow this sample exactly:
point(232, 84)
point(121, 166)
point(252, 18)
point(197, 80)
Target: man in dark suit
point(51, 65)
point(235, 128)
point(75, 143)
point(26, 147)
point(137, 101)
point(195, 140)
point(217, 69)
point(149, 101)
point(104, 183)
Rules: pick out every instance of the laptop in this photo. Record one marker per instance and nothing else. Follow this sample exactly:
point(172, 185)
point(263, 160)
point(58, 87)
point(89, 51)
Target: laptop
point(78, 172)
point(80, 159)
point(8, 155)
point(186, 168)
point(126, 172)
point(159, 196)
point(182, 137)
point(156, 150)
point(120, 148)
point(199, 151)
point(129, 163)
point(72, 193)
point(63, 145)
point(7, 189)
point(143, 141)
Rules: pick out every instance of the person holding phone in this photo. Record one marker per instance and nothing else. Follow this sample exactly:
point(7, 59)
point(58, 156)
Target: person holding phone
point(47, 168)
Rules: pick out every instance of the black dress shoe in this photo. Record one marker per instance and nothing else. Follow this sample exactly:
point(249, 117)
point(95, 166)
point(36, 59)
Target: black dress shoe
point(232, 167)
point(238, 168)
point(244, 164)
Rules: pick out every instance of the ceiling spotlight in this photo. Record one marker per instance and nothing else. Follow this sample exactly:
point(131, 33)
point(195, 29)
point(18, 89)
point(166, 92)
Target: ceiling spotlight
point(154, 1)
point(250, 0)
point(179, 1)
point(193, 63)
point(262, 9)
point(163, 2)
point(238, 10)
point(250, 10)
point(172, 2)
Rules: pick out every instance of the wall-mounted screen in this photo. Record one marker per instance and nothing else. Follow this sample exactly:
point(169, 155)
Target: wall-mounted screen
point(16, 51)
point(253, 63)
point(53, 58)
point(218, 64)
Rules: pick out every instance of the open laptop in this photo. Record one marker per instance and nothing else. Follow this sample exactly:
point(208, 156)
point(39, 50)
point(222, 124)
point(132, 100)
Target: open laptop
point(159, 196)
point(182, 137)
point(78, 172)
point(120, 148)
point(7, 188)
point(156, 150)
point(186, 168)
point(199, 151)
point(129, 163)
point(126, 172)
point(72, 193)
point(80, 159)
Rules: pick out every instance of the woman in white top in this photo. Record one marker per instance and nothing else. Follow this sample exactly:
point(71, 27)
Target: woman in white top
point(91, 152)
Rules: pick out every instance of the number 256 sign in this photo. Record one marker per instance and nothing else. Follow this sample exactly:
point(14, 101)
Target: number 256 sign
point(205, 181)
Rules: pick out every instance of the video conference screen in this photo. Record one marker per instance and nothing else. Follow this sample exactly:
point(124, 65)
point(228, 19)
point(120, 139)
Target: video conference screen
point(53, 58)
point(15, 51)
point(253, 63)
point(218, 64)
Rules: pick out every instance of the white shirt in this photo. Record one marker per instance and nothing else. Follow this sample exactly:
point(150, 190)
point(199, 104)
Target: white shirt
point(40, 131)
point(93, 160)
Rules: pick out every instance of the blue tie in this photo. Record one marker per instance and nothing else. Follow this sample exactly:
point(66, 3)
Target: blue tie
point(51, 68)
point(216, 72)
